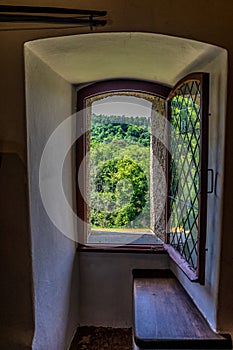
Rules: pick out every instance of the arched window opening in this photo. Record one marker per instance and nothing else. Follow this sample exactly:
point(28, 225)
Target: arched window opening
point(119, 186)
point(144, 175)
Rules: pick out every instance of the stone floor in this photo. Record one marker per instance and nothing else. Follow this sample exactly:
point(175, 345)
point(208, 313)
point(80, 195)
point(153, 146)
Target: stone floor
point(102, 338)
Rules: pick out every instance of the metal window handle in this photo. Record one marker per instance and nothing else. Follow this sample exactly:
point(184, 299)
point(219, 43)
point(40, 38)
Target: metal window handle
point(212, 181)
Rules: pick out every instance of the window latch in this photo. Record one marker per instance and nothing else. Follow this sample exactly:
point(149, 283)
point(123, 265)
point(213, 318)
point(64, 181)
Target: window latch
point(211, 177)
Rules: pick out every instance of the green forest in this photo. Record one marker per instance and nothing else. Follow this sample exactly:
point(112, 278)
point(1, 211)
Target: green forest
point(119, 171)
point(120, 168)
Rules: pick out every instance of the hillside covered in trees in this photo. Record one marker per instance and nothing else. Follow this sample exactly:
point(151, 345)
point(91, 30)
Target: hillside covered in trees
point(119, 171)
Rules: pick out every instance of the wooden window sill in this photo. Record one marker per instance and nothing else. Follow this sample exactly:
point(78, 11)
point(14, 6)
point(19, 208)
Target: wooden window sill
point(147, 249)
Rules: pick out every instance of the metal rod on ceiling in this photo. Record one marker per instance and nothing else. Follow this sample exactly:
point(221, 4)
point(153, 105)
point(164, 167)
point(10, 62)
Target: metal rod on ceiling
point(26, 14)
point(49, 19)
point(55, 10)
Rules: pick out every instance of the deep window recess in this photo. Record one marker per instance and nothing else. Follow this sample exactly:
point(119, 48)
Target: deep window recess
point(187, 108)
point(182, 156)
point(116, 191)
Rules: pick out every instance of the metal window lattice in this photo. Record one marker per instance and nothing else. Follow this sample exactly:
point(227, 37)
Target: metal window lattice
point(184, 171)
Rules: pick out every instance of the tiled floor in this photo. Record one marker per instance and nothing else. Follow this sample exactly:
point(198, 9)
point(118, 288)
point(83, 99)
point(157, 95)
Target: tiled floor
point(102, 338)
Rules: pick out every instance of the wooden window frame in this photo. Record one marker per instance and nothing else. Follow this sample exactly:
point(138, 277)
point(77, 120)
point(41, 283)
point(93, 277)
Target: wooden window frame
point(90, 91)
point(165, 92)
point(197, 275)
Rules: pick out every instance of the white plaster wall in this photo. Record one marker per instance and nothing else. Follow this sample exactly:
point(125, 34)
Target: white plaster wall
point(105, 297)
point(49, 101)
point(98, 56)
point(206, 297)
point(110, 274)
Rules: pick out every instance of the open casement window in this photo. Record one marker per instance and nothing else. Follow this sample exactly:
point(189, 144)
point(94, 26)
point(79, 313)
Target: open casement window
point(117, 174)
point(185, 162)
point(187, 174)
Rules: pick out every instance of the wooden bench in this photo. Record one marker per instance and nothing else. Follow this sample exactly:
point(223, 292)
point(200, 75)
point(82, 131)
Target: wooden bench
point(165, 317)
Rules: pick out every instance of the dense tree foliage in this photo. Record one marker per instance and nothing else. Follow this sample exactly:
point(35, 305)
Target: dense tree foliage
point(105, 129)
point(122, 119)
point(119, 166)
point(112, 173)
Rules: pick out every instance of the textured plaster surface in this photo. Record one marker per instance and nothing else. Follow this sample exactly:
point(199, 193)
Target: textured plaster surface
point(105, 297)
point(54, 255)
point(112, 55)
point(206, 58)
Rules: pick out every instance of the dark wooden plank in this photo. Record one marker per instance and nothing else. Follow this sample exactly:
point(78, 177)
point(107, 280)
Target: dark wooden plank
point(181, 263)
point(166, 318)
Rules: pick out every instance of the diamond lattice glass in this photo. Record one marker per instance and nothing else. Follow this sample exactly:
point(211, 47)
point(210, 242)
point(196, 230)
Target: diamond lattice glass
point(184, 169)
